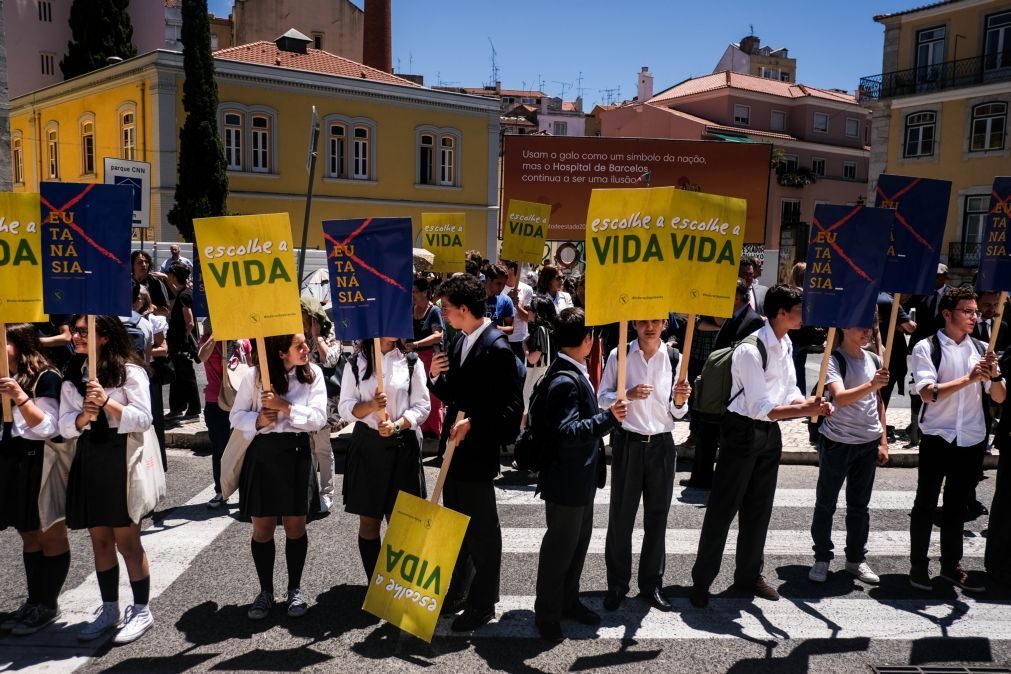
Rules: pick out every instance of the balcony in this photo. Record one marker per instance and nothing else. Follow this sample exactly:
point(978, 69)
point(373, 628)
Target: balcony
point(963, 254)
point(928, 79)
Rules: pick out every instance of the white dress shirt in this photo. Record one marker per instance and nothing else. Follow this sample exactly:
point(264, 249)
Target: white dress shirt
point(134, 396)
point(562, 300)
point(652, 415)
point(959, 417)
point(524, 294)
point(579, 366)
point(470, 340)
point(308, 405)
point(415, 408)
point(763, 390)
point(47, 428)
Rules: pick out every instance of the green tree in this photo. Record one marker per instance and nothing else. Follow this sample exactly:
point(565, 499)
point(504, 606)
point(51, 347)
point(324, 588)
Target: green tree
point(101, 29)
point(202, 185)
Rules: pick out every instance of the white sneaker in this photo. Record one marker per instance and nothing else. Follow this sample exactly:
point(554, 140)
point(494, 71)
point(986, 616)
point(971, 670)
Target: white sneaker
point(325, 503)
point(863, 572)
point(108, 618)
point(137, 620)
point(215, 501)
point(818, 572)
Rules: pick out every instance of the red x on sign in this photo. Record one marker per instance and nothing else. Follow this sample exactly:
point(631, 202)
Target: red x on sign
point(899, 217)
point(74, 226)
point(835, 246)
point(342, 248)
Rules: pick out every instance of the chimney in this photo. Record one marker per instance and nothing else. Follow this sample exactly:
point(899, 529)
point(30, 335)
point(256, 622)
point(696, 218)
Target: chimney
point(377, 50)
point(749, 44)
point(645, 86)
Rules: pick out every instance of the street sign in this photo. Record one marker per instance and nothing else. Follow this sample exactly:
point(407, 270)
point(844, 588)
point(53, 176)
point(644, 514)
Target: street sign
point(137, 175)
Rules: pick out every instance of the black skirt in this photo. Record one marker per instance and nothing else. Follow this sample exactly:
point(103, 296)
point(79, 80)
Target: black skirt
point(377, 468)
point(20, 482)
point(278, 478)
point(96, 489)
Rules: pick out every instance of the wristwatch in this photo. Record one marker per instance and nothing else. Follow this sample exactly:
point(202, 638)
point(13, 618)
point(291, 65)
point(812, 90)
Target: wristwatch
point(998, 377)
point(933, 393)
point(396, 427)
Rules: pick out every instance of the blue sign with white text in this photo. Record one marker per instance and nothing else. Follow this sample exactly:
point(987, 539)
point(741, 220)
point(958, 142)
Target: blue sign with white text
point(994, 262)
point(921, 211)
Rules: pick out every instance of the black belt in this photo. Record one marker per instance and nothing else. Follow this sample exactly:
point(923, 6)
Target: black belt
point(646, 439)
point(743, 419)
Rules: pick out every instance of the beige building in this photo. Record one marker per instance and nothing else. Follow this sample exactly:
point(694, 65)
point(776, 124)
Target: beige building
point(750, 57)
point(335, 26)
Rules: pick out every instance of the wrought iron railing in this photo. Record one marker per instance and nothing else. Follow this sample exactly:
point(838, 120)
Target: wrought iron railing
point(968, 72)
point(963, 254)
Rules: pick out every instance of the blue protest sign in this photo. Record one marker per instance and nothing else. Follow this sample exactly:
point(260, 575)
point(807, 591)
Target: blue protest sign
point(86, 230)
point(371, 275)
point(199, 295)
point(921, 211)
point(994, 263)
point(845, 260)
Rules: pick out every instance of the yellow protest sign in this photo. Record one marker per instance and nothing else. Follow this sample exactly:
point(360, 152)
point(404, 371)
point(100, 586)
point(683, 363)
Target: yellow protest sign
point(20, 259)
point(653, 251)
point(411, 579)
point(248, 268)
point(442, 234)
point(524, 231)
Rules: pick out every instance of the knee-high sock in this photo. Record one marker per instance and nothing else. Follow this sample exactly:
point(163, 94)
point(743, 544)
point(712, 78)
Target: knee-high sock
point(34, 575)
point(295, 550)
point(141, 591)
point(263, 559)
point(108, 584)
point(54, 570)
point(369, 549)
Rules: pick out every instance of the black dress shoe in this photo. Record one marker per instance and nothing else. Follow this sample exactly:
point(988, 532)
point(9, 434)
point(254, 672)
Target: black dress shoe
point(612, 600)
point(976, 510)
point(550, 631)
point(453, 605)
point(657, 599)
point(471, 619)
point(581, 613)
point(694, 484)
point(699, 596)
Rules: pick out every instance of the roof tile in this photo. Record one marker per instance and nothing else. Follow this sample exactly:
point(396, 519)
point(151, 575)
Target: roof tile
point(732, 80)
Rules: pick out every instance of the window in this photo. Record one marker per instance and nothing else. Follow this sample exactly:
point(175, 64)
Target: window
point(45, 11)
point(48, 63)
point(88, 147)
point(317, 40)
point(53, 152)
point(778, 121)
point(929, 53)
point(997, 48)
point(852, 127)
point(233, 141)
point(361, 150)
point(18, 159)
point(920, 128)
point(821, 122)
point(527, 100)
point(447, 160)
point(790, 163)
point(128, 135)
point(337, 148)
point(818, 166)
point(973, 221)
point(261, 144)
point(989, 121)
point(784, 76)
point(849, 170)
point(560, 128)
point(742, 114)
point(426, 159)
point(790, 212)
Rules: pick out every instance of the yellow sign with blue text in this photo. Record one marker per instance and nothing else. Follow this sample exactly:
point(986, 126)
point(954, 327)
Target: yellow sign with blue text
point(442, 235)
point(409, 584)
point(20, 259)
point(248, 267)
point(524, 231)
point(653, 251)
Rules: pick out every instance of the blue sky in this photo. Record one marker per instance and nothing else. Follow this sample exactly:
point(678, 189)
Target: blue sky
point(447, 41)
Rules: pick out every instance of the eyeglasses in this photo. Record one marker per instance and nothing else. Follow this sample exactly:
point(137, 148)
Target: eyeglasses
point(83, 332)
point(970, 313)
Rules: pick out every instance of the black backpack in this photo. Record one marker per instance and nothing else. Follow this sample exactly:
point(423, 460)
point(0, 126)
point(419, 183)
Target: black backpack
point(814, 429)
point(935, 358)
point(411, 357)
point(137, 337)
point(531, 451)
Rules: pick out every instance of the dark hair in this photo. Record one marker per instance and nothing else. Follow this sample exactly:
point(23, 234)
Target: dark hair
point(275, 366)
point(135, 293)
point(782, 296)
point(512, 264)
point(952, 296)
point(117, 353)
point(547, 274)
point(747, 262)
point(544, 310)
point(494, 271)
point(141, 253)
point(368, 351)
point(465, 291)
point(570, 327)
point(742, 289)
point(31, 361)
point(472, 267)
point(180, 271)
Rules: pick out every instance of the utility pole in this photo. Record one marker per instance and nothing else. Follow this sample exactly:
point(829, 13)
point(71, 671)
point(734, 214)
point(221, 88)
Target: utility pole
point(6, 177)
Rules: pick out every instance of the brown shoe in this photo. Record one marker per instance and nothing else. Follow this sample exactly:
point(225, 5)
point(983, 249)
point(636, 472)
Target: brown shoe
point(961, 578)
point(763, 590)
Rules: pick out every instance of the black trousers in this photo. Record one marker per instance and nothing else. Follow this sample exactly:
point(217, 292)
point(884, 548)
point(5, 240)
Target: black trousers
point(956, 467)
point(480, 561)
point(560, 564)
point(646, 471)
point(707, 441)
point(744, 486)
point(998, 542)
point(183, 394)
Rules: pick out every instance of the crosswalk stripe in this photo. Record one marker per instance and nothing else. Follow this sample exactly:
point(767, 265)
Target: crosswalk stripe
point(523, 495)
point(784, 542)
point(789, 618)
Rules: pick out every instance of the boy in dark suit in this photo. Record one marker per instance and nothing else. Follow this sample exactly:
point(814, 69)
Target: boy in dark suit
point(479, 377)
point(572, 427)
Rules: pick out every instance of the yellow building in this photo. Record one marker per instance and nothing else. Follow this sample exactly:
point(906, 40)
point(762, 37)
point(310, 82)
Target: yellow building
point(940, 109)
point(388, 147)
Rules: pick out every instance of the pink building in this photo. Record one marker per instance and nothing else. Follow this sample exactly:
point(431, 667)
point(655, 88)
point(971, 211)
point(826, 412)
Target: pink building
point(819, 137)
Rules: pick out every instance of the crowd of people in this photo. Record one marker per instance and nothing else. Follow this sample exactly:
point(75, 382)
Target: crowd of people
point(498, 354)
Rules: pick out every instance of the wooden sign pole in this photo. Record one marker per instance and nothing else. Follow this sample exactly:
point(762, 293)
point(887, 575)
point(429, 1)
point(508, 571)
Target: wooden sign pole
point(5, 372)
point(261, 365)
point(377, 366)
point(890, 336)
point(92, 353)
point(829, 342)
point(997, 320)
point(685, 354)
point(446, 460)
point(622, 353)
